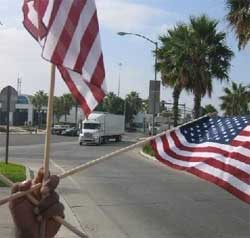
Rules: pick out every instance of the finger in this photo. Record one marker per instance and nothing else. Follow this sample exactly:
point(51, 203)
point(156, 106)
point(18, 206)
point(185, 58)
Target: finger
point(50, 185)
point(55, 210)
point(47, 202)
point(23, 186)
point(17, 188)
point(39, 176)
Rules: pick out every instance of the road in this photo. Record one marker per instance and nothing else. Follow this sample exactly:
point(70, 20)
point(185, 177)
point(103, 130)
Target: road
point(132, 197)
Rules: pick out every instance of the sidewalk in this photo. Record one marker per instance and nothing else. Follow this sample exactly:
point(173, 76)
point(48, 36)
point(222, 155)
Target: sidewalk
point(6, 223)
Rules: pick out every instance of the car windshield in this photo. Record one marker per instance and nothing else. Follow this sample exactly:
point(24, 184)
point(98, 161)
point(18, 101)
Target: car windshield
point(91, 126)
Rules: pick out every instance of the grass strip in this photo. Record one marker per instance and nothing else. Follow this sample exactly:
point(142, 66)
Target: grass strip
point(14, 172)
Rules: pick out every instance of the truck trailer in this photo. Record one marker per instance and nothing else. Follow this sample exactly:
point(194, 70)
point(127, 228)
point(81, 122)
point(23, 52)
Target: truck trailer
point(100, 127)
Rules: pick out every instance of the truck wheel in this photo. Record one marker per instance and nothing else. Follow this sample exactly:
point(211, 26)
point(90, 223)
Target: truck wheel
point(80, 143)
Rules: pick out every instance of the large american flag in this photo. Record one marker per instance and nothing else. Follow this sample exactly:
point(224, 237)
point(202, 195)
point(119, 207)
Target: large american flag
point(68, 32)
point(216, 149)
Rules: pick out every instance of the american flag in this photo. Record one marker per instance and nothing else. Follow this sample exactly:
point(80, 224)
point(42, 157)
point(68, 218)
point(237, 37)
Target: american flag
point(68, 32)
point(215, 148)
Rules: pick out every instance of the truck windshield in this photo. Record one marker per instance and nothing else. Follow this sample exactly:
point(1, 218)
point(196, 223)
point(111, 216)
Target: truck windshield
point(91, 126)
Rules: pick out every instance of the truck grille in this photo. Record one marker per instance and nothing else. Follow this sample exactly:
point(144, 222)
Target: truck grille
point(88, 135)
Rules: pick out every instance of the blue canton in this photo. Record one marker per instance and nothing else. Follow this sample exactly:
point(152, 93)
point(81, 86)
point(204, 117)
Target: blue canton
point(214, 129)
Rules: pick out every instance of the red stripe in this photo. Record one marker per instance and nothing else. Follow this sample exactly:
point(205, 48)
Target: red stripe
point(99, 73)
point(225, 185)
point(27, 23)
point(79, 97)
point(244, 144)
point(244, 133)
point(96, 91)
point(68, 31)
point(232, 155)
point(243, 176)
point(87, 42)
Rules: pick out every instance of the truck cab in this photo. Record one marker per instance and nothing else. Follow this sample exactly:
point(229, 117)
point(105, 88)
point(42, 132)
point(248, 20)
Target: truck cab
point(91, 132)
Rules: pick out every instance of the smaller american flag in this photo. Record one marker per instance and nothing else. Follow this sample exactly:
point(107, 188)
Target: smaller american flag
point(216, 149)
point(68, 32)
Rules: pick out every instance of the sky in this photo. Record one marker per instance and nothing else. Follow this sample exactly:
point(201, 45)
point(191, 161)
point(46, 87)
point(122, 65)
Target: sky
point(129, 58)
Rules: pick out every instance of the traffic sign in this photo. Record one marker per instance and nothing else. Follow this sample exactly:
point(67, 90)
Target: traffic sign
point(8, 94)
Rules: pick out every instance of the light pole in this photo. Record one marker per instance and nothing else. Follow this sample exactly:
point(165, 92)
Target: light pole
point(156, 50)
point(119, 79)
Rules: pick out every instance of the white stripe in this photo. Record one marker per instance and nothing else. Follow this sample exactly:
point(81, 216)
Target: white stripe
point(92, 59)
point(227, 148)
point(75, 45)
point(206, 155)
point(242, 138)
point(56, 29)
point(83, 89)
point(47, 15)
point(232, 180)
point(32, 14)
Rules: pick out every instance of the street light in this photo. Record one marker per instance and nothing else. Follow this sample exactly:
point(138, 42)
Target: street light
point(156, 50)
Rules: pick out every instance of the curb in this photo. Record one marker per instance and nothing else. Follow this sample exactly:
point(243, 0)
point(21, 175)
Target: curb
point(147, 156)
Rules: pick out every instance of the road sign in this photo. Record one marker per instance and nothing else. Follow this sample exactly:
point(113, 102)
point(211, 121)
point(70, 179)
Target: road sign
point(12, 94)
point(154, 96)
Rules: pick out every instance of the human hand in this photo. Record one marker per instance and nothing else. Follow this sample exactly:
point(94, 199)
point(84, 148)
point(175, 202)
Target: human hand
point(27, 217)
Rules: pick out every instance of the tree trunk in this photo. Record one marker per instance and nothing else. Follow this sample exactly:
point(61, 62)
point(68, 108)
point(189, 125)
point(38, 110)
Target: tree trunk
point(197, 105)
point(65, 117)
point(176, 96)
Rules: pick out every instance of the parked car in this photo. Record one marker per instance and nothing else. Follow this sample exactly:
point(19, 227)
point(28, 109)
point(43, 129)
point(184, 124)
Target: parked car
point(58, 129)
point(72, 131)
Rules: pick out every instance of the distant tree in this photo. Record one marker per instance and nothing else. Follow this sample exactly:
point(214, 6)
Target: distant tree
point(67, 103)
point(133, 105)
point(113, 104)
point(239, 18)
point(58, 108)
point(39, 100)
point(208, 109)
point(236, 100)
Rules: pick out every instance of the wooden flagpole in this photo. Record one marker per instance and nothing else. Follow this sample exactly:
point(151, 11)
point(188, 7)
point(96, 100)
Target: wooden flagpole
point(48, 137)
point(101, 159)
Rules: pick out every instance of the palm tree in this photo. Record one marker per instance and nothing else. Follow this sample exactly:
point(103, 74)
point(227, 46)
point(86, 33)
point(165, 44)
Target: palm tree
point(57, 108)
point(239, 19)
point(236, 100)
point(113, 104)
point(171, 63)
point(209, 57)
point(67, 102)
point(133, 105)
point(197, 54)
point(39, 100)
point(208, 109)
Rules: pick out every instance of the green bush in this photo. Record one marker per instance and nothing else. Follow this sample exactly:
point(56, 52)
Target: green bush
point(14, 172)
point(147, 149)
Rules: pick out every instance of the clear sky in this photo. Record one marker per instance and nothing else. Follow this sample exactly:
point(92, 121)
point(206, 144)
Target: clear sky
point(20, 55)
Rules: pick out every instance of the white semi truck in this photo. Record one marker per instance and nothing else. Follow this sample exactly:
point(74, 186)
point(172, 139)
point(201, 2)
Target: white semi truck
point(100, 127)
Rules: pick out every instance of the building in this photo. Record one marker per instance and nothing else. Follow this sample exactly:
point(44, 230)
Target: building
point(24, 113)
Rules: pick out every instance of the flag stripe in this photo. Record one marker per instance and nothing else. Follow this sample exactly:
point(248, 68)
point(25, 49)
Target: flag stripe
point(56, 27)
point(178, 148)
point(75, 46)
point(180, 143)
point(241, 154)
point(66, 36)
point(86, 43)
point(81, 100)
point(217, 161)
point(220, 177)
point(208, 177)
